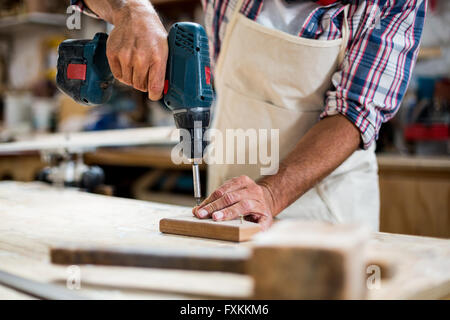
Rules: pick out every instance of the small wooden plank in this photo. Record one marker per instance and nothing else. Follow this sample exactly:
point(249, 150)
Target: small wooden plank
point(233, 230)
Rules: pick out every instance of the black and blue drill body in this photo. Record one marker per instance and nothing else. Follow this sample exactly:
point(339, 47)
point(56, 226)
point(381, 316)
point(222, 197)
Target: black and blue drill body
point(84, 74)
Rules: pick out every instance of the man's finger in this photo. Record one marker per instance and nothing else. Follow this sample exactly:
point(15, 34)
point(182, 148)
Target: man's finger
point(140, 75)
point(228, 199)
point(243, 208)
point(264, 222)
point(200, 213)
point(156, 76)
point(229, 186)
point(114, 64)
point(126, 67)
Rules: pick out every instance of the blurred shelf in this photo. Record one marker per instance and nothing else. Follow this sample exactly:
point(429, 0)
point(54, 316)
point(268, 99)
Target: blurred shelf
point(429, 53)
point(414, 194)
point(29, 22)
point(154, 156)
point(438, 164)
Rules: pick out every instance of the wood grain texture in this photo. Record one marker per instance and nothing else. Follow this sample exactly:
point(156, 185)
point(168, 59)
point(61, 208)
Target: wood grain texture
point(188, 225)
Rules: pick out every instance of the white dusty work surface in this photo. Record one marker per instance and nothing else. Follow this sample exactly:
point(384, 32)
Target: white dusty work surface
point(35, 217)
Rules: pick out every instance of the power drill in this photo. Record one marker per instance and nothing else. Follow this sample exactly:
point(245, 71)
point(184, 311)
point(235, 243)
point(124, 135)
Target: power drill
point(84, 74)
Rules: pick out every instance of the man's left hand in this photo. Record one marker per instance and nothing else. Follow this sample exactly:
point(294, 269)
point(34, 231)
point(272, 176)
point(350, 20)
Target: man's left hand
point(239, 196)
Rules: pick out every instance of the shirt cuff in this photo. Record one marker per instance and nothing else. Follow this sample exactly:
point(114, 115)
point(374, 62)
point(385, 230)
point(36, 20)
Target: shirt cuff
point(357, 115)
point(82, 7)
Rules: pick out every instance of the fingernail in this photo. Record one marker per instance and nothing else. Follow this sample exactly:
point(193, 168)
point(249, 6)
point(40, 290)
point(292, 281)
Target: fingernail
point(202, 213)
point(218, 215)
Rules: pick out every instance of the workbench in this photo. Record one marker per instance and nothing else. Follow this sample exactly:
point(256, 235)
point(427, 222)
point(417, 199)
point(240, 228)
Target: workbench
point(414, 191)
point(35, 217)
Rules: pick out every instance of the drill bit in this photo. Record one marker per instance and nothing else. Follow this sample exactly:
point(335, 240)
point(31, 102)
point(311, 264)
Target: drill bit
point(196, 176)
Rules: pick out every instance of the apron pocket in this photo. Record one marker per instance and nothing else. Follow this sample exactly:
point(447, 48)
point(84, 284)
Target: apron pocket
point(237, 110)
point(268, 102)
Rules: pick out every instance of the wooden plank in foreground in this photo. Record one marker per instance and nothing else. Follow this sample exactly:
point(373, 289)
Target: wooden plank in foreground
point(197, 259)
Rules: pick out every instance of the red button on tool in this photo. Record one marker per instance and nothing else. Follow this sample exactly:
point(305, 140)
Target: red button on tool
point(208, 75)
point(76, 71)
point(166, 86)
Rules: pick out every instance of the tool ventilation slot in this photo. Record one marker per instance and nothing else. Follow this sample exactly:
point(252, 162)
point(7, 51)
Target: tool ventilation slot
point(185, 40)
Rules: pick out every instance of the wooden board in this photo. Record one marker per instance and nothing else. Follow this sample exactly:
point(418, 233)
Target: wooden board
point(35, 217)
point(217, 260)
point(188, 225)
point(302, 257)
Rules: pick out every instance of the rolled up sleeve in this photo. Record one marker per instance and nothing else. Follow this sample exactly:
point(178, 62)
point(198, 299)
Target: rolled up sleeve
point(371, 81)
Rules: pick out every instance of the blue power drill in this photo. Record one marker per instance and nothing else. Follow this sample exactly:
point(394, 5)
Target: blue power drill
point(84, 74)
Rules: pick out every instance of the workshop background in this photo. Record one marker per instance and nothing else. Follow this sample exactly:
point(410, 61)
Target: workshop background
point(413, 150)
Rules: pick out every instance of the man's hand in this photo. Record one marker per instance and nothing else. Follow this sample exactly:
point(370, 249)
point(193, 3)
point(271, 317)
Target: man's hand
point(236, 197)
point(137, 48)
point(314, 157)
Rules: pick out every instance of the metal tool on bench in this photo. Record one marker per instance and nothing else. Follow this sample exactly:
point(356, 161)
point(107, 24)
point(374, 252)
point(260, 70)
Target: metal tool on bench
point(36, 289)
point(84, 74)
point(63, 153)
point(68, 169)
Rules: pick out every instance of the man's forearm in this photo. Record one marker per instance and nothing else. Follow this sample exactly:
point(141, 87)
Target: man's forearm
point(108, 10)
point(329, 143)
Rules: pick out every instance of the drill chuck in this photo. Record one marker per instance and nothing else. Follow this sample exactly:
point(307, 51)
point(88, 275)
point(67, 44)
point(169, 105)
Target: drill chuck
point(195, 121)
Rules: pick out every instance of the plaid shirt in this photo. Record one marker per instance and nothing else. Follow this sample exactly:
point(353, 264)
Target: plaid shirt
point(371, 81)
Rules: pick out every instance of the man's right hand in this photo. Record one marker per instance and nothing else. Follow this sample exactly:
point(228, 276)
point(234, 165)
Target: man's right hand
point(137, 48)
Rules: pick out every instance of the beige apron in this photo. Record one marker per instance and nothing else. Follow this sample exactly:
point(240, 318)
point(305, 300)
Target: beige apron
point(268, 79)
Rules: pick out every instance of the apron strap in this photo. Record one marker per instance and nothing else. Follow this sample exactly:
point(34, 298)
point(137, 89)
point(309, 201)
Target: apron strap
point(237, 6)
point(236, 9)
